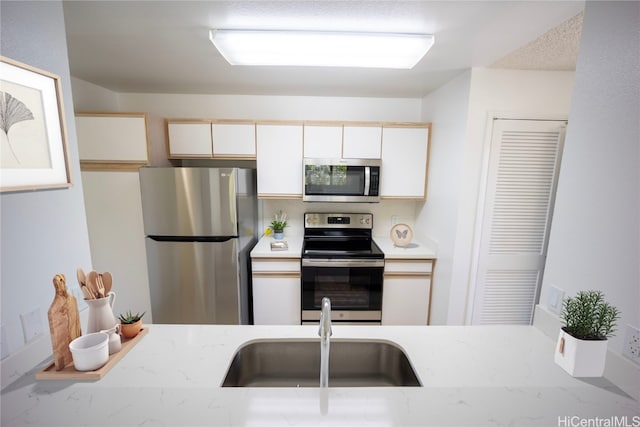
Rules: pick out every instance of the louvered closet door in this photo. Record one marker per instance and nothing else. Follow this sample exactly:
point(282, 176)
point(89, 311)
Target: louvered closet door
point(523, 168)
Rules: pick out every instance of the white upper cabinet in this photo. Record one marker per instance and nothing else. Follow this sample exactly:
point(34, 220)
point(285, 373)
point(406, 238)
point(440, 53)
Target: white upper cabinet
point(342, 142)
point(190, 139)
point(112, 137)
point(362, 142)
point(279, 160)
point(234, 140)
point(404, 162)
point(322, 142)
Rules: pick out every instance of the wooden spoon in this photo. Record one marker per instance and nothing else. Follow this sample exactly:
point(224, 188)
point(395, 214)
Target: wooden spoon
point(86, 292)
point(107, 280)
point(82, 280)
point(92, 284)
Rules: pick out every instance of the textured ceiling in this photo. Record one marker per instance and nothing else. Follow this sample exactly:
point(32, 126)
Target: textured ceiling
point(557, 49)
point(163, 46)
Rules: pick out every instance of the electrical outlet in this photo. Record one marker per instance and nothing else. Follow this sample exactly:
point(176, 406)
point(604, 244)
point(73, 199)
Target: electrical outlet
point(4, 344)
point(31, 324)
point(554, 299)
point(631, 346)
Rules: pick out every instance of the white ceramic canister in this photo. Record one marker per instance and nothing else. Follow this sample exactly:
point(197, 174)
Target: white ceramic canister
point(115, 341)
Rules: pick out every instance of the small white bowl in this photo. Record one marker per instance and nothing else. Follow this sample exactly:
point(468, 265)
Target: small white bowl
point(90, 351)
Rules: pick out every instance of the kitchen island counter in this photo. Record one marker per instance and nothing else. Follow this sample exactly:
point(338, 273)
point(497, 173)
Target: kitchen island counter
point(472, 375)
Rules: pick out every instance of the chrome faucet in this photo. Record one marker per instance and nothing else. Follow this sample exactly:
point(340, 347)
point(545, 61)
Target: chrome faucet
point(325, 333)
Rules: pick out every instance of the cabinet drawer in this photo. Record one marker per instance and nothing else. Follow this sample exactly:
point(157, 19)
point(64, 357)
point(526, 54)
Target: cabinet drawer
point(411, 266)
point(275, 265)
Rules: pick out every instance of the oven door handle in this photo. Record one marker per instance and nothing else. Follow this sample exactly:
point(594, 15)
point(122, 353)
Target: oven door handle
point(326, 262)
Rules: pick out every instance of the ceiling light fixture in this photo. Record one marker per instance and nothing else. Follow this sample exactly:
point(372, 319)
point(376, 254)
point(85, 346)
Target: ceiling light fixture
point(321, 49)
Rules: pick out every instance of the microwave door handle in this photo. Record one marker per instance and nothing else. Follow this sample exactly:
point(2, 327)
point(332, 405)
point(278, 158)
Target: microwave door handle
point(367, 180)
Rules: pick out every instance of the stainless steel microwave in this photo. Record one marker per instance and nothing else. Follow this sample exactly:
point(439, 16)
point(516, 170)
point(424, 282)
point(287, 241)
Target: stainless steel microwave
point(341, 180)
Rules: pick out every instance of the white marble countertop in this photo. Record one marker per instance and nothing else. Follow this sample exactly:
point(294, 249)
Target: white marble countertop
point(472, 375)
point(263, 248)
point(417, 249)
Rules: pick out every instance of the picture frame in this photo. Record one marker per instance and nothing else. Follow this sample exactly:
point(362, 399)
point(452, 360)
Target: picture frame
point(33, 134)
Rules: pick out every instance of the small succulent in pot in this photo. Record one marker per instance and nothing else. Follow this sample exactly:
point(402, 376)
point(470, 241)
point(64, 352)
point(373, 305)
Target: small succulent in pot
point(588, 316)
point(279, 222)
point(277, 225)
point(131, 324)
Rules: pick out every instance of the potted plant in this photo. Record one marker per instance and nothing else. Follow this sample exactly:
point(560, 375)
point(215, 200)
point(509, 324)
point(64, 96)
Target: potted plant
point(582, 344)
point(130, 324)
point(278, 224)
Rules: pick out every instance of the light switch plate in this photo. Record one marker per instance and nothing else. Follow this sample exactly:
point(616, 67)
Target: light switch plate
point(31, 324)
point(554, 299)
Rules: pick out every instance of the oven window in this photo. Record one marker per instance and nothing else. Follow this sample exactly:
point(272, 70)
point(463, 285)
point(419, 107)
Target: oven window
point(334, 180)
point(348, 288)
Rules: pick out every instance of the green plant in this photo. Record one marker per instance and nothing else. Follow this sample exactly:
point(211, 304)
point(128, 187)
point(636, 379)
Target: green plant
point(128, 318)
point(588, 317)
point(279, 222)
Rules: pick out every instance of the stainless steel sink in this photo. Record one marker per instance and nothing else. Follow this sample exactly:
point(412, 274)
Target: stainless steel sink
point(296, 363)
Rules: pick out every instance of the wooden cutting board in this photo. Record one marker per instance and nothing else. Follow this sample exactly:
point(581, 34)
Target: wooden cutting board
point(64, 322)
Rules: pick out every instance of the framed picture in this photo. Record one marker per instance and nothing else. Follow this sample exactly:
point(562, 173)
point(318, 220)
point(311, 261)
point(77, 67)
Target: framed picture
point(33, 137)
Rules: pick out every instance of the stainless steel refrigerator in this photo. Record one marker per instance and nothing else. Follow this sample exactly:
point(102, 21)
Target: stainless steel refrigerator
point(200, 225)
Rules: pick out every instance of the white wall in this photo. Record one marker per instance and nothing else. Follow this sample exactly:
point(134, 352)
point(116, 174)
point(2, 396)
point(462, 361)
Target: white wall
point(526, 94)
point(447, 110)
point(90, 97)
point(273, 107)
point(43, 232)
point(595, 234)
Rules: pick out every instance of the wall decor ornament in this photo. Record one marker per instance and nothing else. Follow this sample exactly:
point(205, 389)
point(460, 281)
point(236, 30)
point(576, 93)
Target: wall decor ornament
point(33, 137)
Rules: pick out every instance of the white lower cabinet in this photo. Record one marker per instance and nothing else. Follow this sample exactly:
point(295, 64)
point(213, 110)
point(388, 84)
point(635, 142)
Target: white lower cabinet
point(276, 291)
point(406, 292)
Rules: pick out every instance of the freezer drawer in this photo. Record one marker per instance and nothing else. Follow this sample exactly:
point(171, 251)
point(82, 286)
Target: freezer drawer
point(195, 282)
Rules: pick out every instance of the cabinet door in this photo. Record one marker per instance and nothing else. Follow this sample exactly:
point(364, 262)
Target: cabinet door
point(404, 162)
point(362, 142)
point(112, 137)
point(279, 160)
point(322, 142)
point(405, 300)
point(234, 140)
point(276, 299)
point(190, 140)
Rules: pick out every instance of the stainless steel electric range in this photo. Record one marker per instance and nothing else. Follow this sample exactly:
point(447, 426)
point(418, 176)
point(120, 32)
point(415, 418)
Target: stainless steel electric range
point(341, 261)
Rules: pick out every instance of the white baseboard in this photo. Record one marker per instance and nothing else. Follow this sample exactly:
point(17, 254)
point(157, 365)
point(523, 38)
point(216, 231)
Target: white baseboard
point(618, 369)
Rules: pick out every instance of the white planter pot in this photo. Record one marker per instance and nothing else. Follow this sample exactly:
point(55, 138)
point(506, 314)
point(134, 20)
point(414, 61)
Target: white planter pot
point(580, 358)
